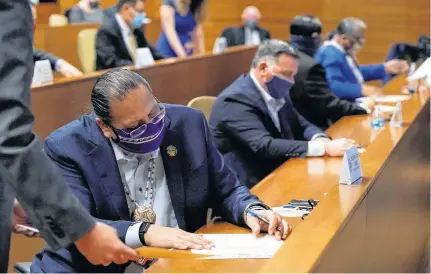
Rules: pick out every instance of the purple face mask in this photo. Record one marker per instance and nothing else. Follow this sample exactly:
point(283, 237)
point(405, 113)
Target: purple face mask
point(279, 87)
point(145, 138)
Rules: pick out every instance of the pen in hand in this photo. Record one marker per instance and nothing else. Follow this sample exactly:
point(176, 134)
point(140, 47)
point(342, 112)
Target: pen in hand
point(260, 218)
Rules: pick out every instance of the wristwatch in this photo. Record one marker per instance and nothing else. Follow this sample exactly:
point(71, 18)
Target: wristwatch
point(142, 230)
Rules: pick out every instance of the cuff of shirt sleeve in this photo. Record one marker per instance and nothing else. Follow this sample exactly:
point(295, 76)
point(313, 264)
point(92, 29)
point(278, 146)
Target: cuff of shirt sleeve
point(58, 64)
point(364, 106)
point(319, 135)
point(254, 206)
point(132, 236)
point(316, 148)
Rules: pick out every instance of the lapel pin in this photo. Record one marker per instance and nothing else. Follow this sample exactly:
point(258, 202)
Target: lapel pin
point(171, 151)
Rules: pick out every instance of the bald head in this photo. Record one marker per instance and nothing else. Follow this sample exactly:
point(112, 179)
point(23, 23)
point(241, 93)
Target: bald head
point(250, 13)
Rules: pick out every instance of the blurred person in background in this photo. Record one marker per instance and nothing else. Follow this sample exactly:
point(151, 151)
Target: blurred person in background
point(182, 32)
point(87, 12)
point(250, 33)
point(121, 35)
point(57, 64)
point(311, 94)
point(345, 76)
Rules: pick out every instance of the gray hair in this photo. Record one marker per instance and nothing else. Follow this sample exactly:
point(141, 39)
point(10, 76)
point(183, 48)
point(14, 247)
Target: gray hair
point(114, 84)
point(271, 49)
point(350, 26)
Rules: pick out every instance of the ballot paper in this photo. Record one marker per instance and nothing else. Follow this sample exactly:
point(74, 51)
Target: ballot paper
point(287, 212)
point(384, 108)
point(422, 71)
point(390, 98)
point(241, 246)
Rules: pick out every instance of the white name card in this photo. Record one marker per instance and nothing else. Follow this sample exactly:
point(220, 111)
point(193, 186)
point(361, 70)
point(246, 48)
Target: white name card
point(144, 58)
point(351, 171)
point(42, 73)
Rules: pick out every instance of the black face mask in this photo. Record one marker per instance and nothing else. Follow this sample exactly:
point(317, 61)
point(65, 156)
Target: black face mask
point(252, 24)
point(94, 5)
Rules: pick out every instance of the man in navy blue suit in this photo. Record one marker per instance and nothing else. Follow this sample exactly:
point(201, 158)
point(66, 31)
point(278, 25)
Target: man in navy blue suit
point(149, 170)
point(345, 77)
point(254, 123)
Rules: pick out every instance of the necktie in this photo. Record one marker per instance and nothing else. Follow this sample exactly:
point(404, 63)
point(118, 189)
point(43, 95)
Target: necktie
point(133, 45)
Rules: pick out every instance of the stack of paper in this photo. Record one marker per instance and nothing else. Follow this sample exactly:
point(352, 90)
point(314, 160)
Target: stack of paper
point(241, 246)
point(390, 98)
point(384, 108)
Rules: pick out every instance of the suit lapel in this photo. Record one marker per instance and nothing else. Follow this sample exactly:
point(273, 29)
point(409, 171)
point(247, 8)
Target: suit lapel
point(283, 116)
point(258, 100)
point(103, 158)
point(172, 150)
point(119, 34)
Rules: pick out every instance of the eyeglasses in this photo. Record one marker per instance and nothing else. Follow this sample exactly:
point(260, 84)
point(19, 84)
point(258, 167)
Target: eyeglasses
point(140, 129)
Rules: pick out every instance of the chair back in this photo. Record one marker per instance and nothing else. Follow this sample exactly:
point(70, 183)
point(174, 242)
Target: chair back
point(87, 49)
point(57, 20)
point(204, 104)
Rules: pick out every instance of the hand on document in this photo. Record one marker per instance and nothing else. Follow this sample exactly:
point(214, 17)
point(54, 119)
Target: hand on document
point(277, 226)
point(21, 223)
point(166, 237)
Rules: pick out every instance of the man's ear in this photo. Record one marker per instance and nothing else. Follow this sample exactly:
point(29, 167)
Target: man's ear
point(107, 131)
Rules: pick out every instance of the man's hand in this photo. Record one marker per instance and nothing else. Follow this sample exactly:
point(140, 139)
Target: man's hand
point(102, 246)
point(275, 221)
point(166, 237)
point(371, 91)
point(396, 66)
point(68, 70)
point(369, 103)
point(338, 147)
point(19, 217)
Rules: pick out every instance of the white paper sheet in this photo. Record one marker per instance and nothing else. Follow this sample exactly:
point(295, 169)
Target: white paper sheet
point(384, 108)
point(390, 98)
point(287, 212)
point(241, 246)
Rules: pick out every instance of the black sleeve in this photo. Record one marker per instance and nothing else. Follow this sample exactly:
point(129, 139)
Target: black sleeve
point(39, 55)
point(244, 124)
point(143, 43)
point(228, 34)
point(35, 180)
point(328, 103)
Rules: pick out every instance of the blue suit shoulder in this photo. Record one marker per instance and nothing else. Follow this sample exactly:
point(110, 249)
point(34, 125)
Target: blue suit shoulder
point(75, 132)
point(329, 54)
point(241, 90)
point(182, 115)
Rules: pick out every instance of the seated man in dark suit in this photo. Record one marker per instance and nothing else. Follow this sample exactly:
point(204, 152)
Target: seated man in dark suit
point(148, 169)
point(57, 64)
point(254, 123)
point(249, 33)
point(311, 95)
point(120, 36)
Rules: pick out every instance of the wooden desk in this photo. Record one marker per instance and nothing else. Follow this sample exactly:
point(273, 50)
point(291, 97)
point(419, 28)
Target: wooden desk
point(381, 225)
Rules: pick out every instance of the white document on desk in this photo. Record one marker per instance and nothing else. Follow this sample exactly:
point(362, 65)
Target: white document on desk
point(390, 98)
point(385, 108)
point(241, 246)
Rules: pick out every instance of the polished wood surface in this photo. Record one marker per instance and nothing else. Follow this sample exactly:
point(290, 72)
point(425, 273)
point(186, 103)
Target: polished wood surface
point(381, 225)
point(409, 18)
